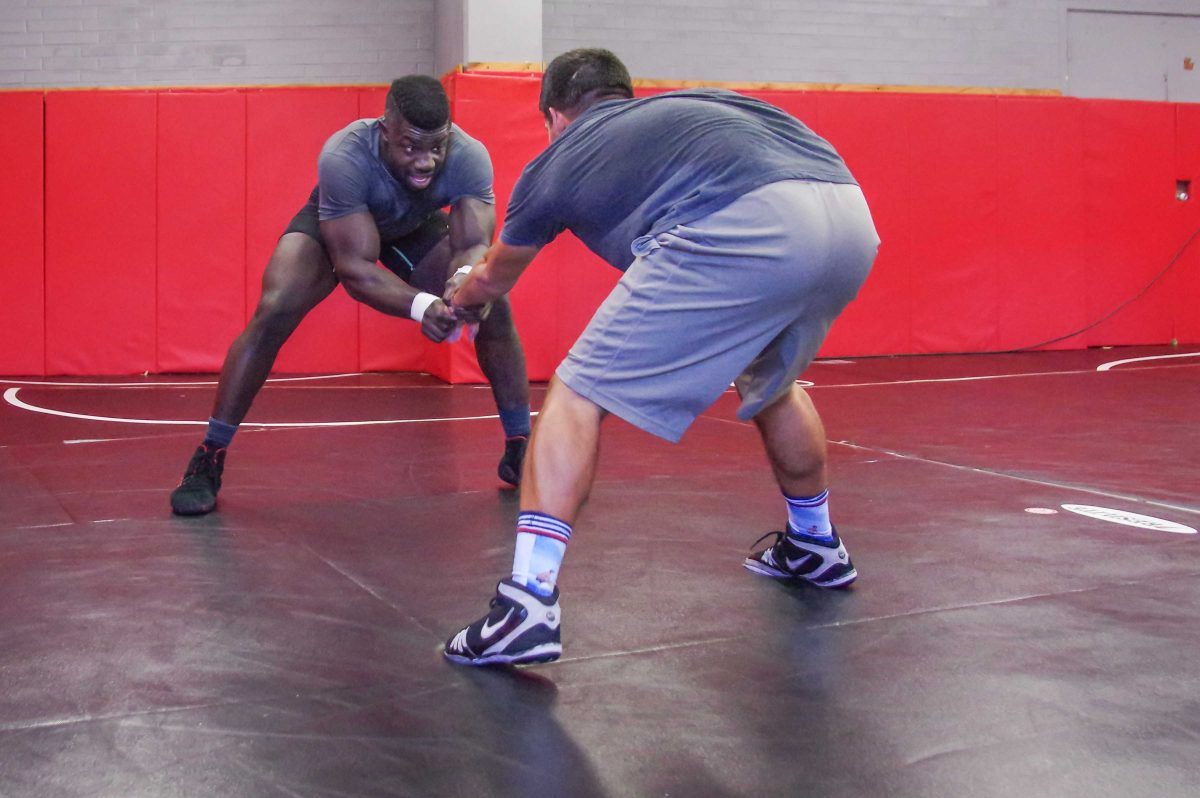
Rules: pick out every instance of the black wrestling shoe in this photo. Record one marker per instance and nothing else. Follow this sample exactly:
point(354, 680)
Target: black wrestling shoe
point(197, 493)
point(521, 628)
point(509, 469)
point(824, 563)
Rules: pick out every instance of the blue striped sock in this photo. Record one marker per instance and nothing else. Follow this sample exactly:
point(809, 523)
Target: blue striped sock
point(809, 516)
point(541, 544)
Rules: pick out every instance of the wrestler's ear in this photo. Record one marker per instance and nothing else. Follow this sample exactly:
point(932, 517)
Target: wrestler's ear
point(556, 122)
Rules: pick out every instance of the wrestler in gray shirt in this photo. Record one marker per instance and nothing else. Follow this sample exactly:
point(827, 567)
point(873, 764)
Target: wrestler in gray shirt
point(630, 168)
point(382, 187)
point(351, 178)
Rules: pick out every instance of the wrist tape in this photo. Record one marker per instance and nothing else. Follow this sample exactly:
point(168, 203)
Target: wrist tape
point(420, 304)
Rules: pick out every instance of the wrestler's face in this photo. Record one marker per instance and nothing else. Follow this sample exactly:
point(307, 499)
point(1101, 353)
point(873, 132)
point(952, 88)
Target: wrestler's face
point(414, 155)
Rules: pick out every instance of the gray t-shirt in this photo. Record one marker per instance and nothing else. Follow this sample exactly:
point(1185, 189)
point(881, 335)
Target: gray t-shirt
point(629, 168)
point(351, 178)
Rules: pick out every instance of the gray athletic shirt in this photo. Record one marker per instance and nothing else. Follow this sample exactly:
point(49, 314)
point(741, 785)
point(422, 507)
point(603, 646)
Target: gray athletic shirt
point(352, 178)
point(629, 168)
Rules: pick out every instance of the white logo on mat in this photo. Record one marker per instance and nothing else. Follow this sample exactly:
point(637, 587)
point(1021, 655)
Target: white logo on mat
point(1129, 519)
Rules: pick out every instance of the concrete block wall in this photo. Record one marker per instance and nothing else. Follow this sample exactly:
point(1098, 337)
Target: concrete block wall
point(985, 43)
point(63, 43)
point(967, 43)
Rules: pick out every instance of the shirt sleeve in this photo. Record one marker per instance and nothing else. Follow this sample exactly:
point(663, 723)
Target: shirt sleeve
point(342, 186)
point(473, 174)
point(530, 220)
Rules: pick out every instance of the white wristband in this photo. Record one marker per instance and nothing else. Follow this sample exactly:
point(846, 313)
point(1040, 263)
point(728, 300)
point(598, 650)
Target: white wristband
point(464, 270)
point(420, 304)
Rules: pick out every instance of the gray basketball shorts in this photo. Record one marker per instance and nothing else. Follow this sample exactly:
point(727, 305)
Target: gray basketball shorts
point(744, 295)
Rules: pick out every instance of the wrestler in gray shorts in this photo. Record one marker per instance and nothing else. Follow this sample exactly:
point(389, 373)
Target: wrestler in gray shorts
point(746, 293)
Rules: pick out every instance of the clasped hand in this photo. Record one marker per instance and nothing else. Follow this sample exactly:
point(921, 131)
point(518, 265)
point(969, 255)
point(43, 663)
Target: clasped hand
point(444, 320)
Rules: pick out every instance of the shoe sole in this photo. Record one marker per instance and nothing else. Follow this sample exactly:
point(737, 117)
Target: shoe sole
point(754, 566)
point(547, 652)
point(194, 511)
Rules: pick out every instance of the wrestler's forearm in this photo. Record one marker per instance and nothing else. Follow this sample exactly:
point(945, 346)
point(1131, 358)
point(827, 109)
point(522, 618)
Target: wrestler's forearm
point(482, 287)
point(466, 257)
point(495, 275)
point(376, 288)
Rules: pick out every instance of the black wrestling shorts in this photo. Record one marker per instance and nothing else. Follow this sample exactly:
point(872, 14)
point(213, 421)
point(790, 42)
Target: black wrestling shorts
point(400, 255)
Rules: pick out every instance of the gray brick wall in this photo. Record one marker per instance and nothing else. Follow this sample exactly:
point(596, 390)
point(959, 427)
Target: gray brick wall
point(60, 43)
point(986, 43)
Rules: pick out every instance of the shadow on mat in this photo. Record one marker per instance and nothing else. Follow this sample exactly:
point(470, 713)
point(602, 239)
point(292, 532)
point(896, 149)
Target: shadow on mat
point(530, 752)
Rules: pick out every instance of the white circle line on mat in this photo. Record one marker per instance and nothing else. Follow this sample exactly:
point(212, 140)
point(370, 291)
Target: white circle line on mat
point(10, 396)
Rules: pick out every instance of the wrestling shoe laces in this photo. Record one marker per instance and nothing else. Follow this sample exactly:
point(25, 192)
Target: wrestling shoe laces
point(824, 563)
point(197, 492)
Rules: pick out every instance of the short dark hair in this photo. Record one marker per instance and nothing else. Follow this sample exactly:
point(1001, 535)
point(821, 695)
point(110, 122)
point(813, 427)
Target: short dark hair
point(578, 78)
point(419, 100)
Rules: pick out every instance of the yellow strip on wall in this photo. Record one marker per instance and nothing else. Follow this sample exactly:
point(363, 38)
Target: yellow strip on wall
point(654, 83)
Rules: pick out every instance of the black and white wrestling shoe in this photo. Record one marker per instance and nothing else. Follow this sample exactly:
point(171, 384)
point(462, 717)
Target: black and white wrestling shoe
point(521, 628)
point(824, 563)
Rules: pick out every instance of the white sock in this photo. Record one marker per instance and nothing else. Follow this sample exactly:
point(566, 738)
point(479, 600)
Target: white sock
point(809, 515)
point(541, 545)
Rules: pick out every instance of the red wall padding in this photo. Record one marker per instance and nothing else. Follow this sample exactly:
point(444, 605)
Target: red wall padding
point(951, 186)
point(1006, 222)
point(101, 262)
point(201, 228)
point(22, 309)
point(1042, 278)
point(1129, 207)
point(285, 129)
point(870, 132)
point(1182, 282)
